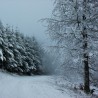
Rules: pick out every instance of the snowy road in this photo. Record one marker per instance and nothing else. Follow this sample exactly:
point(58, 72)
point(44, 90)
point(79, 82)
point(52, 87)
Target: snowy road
point(28, 87)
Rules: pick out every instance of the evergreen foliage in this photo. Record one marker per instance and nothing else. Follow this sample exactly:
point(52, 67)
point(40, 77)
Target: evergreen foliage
point(19, 54)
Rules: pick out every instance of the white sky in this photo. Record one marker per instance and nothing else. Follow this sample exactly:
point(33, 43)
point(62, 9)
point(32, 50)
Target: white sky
point(25, 14)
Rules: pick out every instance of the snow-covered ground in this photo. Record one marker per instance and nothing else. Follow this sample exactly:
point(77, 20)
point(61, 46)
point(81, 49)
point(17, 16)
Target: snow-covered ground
point(13, 86)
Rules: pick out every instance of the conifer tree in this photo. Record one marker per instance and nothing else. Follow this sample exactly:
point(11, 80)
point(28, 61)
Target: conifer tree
point(19, 54)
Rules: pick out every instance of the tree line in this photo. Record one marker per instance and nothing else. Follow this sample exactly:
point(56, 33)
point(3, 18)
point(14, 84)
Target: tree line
point(18, 53)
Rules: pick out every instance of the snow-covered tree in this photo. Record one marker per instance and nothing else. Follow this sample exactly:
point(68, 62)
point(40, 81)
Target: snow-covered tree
point(74, 26)
point(18, 53)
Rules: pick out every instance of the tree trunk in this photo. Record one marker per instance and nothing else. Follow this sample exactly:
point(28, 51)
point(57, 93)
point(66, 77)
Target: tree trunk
point(85, 50)
point(86, 64)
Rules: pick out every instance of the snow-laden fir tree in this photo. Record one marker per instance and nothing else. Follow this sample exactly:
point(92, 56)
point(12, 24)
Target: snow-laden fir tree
point(18, 53)
point(74, 26)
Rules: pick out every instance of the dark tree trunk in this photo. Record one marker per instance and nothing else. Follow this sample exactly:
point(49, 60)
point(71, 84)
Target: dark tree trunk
point(85, 58)
point(86, 64)
point(85, 50)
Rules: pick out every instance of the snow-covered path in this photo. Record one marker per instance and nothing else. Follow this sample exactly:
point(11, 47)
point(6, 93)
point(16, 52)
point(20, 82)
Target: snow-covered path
point(28, 87)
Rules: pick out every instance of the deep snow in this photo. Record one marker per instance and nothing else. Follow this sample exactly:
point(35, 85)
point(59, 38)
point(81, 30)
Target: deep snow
point(13, 86)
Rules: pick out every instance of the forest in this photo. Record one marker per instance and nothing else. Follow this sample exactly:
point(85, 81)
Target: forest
point(18, 53)
point(67, 67)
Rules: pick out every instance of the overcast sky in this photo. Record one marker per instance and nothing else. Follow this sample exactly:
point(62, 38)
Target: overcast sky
point(25, 14)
